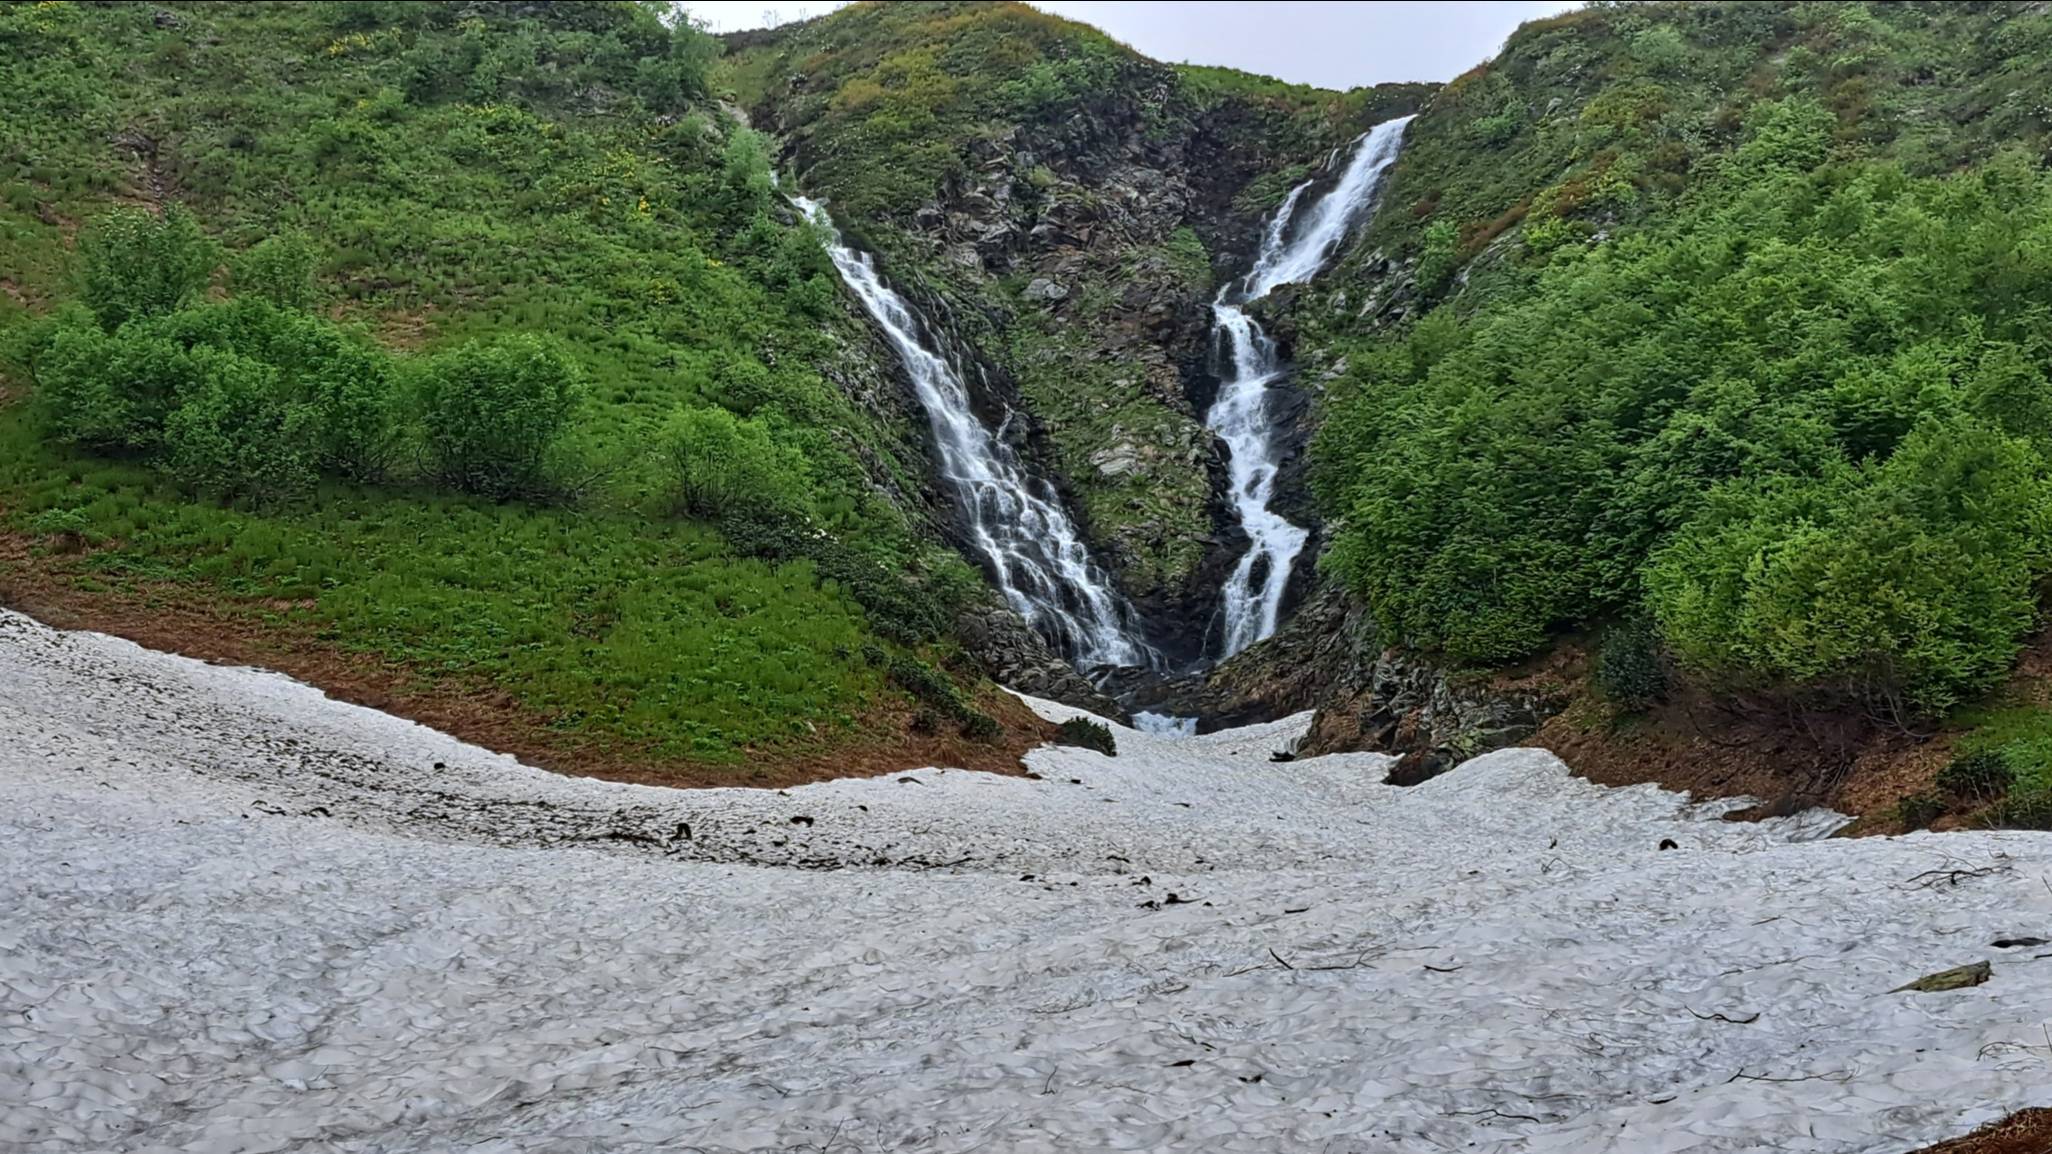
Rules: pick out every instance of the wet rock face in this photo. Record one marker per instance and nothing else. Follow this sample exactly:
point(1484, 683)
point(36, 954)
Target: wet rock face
point(1405, 704)
point(1017, 657)
point(1329, 658)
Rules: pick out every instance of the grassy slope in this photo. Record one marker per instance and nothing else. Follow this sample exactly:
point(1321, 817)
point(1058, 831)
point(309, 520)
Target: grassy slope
point(1601, 117)
point(466, 176)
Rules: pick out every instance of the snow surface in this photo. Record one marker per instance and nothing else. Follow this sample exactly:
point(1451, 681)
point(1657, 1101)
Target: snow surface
point(236, 915)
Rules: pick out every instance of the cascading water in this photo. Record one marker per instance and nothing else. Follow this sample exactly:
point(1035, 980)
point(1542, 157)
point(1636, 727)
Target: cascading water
point(1015, 519)
point(1253, 593)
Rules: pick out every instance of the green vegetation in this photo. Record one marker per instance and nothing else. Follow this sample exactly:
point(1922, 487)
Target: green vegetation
point(2004, 762)
point(388, 313)
point(491, 412)
point(1801, 423)
point(1087, 734)
point(978, 147)
point(1629, 671)
point(1606, 116)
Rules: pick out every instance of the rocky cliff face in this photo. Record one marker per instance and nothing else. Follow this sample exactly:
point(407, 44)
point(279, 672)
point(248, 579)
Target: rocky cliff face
point(1367, 694)
point(1072, 213)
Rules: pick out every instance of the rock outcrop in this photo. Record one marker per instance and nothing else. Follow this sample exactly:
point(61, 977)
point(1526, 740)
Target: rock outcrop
point(1368, 696)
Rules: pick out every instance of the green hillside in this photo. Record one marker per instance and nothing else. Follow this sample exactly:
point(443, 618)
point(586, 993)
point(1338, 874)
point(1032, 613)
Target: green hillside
point(428, 347)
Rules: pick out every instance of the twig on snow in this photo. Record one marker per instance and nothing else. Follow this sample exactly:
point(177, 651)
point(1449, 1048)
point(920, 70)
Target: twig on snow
point(1746, 1021)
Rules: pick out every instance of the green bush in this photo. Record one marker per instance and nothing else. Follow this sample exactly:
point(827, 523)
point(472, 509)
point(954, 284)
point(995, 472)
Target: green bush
point(138, 264)
point(980, 726)
point(110, 392)
point(1086, 734)
point(1916, 577)
point(278, 269)
point(1917, 810)
point(238, 432)
point(2023, 811)
point(1979, 775)
point(71, 527)
point(731, 470)
point(493, 411)
point(1628, 667)
point(347, 380)
point(219, 386)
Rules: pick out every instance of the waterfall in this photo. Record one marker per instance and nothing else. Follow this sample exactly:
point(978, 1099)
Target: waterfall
point(1014, 519)
point(1291, 252)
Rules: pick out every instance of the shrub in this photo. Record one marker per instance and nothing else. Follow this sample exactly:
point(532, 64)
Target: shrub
point(1912, 580)
point(2024, 811)
point(138, 264)
point(926, 684)
point(730, 470)
point(124, 390)
point(348, 381)
point(278, 269)
point(493, 411)
point(980, 726)
point(1980, 775)
point(1440, 257)
point(70, 527)
point(108, 392)
point(1628, 667)
point(1917, 810)
point(1086, 734)
point(238, 432)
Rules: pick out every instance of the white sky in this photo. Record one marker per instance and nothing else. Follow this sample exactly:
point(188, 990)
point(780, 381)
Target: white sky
point(1325, 42)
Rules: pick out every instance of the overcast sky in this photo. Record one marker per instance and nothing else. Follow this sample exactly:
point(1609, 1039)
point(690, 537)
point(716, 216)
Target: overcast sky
point(1323, 42)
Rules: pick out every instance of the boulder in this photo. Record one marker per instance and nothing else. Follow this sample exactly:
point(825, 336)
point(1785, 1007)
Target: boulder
point(1042, 289)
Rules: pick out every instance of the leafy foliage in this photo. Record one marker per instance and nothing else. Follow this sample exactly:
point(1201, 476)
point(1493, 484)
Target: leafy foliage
point(140, 265)
point(279, 269)
point(1628, 666)
point(1087, 734)
point(730, 470)
point(491, 412)
point(1801, 423)
point(1979, 775)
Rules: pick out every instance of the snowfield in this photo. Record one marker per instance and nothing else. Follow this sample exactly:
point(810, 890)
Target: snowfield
point(238, 916)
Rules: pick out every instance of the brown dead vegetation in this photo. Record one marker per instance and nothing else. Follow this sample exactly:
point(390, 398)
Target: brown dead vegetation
point(2025, 1132)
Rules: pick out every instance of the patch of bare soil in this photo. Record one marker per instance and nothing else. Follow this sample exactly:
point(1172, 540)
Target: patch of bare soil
point(2026, 1132)
point(280, 636)
point(1724, 746)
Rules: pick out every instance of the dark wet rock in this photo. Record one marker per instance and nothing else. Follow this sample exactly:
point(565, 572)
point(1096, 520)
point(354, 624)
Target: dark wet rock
point(1329, 658)
point(1014, 655)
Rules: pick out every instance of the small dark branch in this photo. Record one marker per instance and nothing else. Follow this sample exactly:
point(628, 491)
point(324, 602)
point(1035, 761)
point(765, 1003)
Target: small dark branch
point(1280, 960)
point(1833, 1076)
point(1745, 1021)
point(1497, 1113)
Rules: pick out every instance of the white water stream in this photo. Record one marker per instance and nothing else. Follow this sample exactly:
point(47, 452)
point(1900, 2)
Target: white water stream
point(1015, 519)
point(1291, 252)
